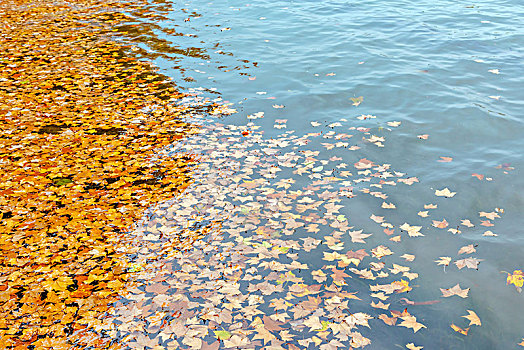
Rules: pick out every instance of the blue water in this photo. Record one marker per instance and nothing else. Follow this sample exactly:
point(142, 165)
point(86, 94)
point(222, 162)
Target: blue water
point(451, 70)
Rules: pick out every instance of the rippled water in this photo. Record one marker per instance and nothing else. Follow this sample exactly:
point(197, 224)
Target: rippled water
point(451, 70)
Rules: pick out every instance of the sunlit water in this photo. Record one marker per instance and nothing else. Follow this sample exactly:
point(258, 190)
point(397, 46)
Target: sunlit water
point(452, 71)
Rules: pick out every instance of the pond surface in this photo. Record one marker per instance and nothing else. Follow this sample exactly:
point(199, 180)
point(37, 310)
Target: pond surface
point(431, 92)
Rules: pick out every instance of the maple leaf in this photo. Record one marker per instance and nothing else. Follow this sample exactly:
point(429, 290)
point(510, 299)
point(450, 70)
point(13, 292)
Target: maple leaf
point(517, 279)
point(445, 193)
point(270, 324)
point(381, 251)
point(359, 341)
point(408, 257)
point(460, 330)
point(486, 223)
point(468, 249)
point(455, 290)
point(440, 224)
point(423, 214)
point(358, 236)
point(364, 164)
point(411, 322)
point(380, 305)
point(377, 219)
point(471, 263)
point(398, 268)
point(443, 260)
point(359, 254)
point(413, 231)
point(473, 318)
point(467, 223)
point(412, 346)
point(445, 159)
point(313, 323)
point(490, 216)
point(391, 321)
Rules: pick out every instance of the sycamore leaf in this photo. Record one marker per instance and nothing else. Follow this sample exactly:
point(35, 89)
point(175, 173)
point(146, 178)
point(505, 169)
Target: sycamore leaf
point(358, 236)
point(380, 305)
point(466, 223)
point(470, 263)
point(413, 231)
point(408, 257)
point(445, 193)
point(460, 330)
point(388, 205)
point(443, 260)
point(468, 249)
point(490, 216)
point(440, 224)
point(455, 290)
point(236, 342)
point(381, 251)
point(388, 320)
point(411, 322)
point(473, 318)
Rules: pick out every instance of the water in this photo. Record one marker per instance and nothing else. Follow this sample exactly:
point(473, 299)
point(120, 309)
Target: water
point(452, 71)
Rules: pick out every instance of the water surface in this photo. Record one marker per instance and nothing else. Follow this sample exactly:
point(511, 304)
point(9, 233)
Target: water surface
point(451, 71)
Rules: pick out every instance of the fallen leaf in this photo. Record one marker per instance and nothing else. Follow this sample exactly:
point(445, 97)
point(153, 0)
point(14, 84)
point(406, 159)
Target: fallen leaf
point(471, 263)
point(517, 279)
point(440, 224)
point(460, 330)
point(455, 290)
point(473, 318)
point(443, 260)
point(411, 322)
point(408, 257)
point(445, 193)
point(468, 249)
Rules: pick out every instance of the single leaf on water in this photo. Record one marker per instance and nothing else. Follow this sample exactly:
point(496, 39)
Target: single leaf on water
point(470, 263)
point(473, 318)
point(468, 249)
point(443, 260)
point(455, 290)
point(445, 193)
point(460, 330)
point(517, 279)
